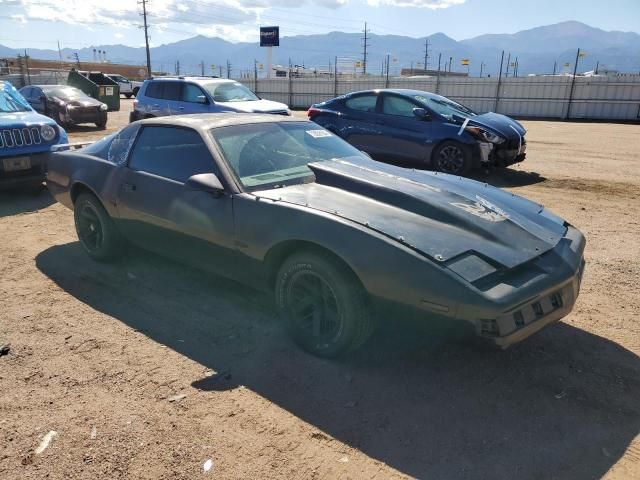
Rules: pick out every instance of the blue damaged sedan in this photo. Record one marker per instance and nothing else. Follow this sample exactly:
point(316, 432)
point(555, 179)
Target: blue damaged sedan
point(422, 129)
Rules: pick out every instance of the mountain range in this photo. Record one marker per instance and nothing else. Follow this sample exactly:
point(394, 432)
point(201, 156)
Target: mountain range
point(536, 49)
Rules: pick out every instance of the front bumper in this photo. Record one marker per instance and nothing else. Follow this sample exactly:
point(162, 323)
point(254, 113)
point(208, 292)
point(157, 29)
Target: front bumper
point(548, 297)
point(28, 177)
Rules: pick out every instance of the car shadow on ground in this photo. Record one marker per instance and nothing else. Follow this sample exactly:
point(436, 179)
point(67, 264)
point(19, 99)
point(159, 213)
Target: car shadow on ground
point(561, 405)
point(84, 128)
point(16, 201)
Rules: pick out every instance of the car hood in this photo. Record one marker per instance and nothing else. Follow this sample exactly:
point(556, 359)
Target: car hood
point(255, 106)
point(84, 102)
point(498, 123)
point(21, 119)
point(439, 215)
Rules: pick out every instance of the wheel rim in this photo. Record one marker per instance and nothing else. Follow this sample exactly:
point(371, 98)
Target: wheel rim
point(313, 307)
point(451, 159)
point(90, 229)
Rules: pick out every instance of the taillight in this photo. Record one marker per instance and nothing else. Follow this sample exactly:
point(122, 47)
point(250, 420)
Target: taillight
point(313, 111)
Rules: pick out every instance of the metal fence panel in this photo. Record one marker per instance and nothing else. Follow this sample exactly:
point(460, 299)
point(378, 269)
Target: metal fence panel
point(610, 98)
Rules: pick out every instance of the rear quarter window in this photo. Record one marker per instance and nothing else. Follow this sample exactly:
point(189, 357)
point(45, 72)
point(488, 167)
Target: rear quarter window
point(363, 103)
point(154, 90)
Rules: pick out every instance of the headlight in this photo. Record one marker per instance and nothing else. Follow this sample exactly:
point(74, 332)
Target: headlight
point(47, 132)
point(103, 107)
point(482, 134)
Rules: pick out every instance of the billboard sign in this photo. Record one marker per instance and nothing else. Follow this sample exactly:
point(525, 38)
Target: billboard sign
point(269, 36)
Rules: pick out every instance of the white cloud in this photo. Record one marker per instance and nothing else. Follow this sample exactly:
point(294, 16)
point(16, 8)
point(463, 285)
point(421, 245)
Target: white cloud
point(118, 35)
point(430, 4)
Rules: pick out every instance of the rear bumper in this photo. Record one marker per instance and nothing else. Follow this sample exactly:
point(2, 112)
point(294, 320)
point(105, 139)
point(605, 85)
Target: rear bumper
point(134, 116)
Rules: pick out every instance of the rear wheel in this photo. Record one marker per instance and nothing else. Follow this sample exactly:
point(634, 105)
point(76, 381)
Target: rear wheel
point(452, 157)
point(128, 95)
point(323, 305)
point(135, 91)
point(96, 231)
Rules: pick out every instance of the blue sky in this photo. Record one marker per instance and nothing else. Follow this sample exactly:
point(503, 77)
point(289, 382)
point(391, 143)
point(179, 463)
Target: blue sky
point(77, 23)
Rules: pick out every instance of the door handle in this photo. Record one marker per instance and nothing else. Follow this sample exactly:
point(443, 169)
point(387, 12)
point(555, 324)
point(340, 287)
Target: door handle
point(180, 108)
point(128, 187)
point(157, 105)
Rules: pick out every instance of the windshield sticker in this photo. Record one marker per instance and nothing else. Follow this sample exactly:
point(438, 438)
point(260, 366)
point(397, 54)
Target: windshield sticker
point(319, 133)
point(484, 209)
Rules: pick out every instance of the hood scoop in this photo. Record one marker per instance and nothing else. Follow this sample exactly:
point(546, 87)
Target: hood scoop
point(442, 216)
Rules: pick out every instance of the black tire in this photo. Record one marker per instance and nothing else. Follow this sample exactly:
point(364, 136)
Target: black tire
point(323, 305)
point(128, 95)
point(135, 91)
point(101, 125)
point(452, 157)
point(96, 231)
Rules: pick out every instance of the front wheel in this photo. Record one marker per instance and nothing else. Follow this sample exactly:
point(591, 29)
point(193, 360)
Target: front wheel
point(102, 124)
point(96, 231)
point(452, 157)
point(323, 305)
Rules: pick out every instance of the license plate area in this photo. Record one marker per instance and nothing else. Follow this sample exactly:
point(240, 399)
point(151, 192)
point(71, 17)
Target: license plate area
point(16, 163)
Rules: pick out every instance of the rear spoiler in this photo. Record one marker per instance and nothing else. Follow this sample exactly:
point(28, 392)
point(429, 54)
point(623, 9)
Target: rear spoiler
point(69, 146)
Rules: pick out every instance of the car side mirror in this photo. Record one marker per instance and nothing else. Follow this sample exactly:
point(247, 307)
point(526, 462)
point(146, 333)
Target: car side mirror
point(421, 113)
point(205, 182)
point(202, 99)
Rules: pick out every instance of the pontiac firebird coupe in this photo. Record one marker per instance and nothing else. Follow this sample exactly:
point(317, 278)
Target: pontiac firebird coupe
point(286, 205)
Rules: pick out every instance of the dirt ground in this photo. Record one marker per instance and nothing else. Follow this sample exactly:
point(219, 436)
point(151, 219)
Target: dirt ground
point(147, 370)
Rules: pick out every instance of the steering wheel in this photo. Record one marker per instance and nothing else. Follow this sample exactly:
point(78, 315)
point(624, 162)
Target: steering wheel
point(255, 158)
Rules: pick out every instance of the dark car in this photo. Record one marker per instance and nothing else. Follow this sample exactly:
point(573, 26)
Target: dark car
point(286, 205)
point(66, 105)
point(423, 129)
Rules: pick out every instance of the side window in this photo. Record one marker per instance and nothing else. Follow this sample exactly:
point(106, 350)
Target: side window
point(393, 105)
point(172, 91)
point(364, 103)
point(191, 92)
point(154, 90)
point(171, 152)
point(121, 144)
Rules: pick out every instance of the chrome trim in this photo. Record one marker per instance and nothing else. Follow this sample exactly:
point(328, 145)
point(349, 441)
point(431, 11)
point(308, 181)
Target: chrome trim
point(20, 137)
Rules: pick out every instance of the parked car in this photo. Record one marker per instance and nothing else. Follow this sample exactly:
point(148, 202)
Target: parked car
point(423, 129)
point(66, 105)
point(284, 204)
point(25, 138)
point(129, 88)
point(180, 95)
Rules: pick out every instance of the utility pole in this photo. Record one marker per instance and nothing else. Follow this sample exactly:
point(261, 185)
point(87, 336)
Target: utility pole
point(202, 68)
point(450, 61)
point(597, 66)
point(555, 65)
point(506, 74)
point(426, 53)
point(573, 83)
point(146, 36)
point(177, 67)
point(482, 64)
point(228, 69)
point(75, 55)
point(387, 79)
point(26, 61)
point(515, 68)
point(365, 44)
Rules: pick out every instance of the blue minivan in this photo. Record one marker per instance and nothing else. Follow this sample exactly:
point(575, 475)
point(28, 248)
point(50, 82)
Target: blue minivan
point(25, 139)
point(159, 97)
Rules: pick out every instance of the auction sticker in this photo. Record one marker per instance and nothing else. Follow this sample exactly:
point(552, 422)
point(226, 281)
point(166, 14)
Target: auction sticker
point(319, 133)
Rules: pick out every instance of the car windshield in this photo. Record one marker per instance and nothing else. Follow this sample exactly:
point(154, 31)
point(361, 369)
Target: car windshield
point(229, 92)
point(64, 93)
point(443, 106)
point(269, 155)
point(11, 101)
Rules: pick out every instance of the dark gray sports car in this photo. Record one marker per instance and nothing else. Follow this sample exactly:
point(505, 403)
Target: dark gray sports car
point(286, 205)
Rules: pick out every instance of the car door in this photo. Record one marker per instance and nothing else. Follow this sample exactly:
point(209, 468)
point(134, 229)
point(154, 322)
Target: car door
point(38, 100)
point(194, 99)
point(172, 95)
point(404, 135)
point(157, 211)
point(359, 122)
point(152, 103)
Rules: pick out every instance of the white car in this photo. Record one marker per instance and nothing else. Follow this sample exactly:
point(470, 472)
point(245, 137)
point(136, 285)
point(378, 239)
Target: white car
point(128, 87)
